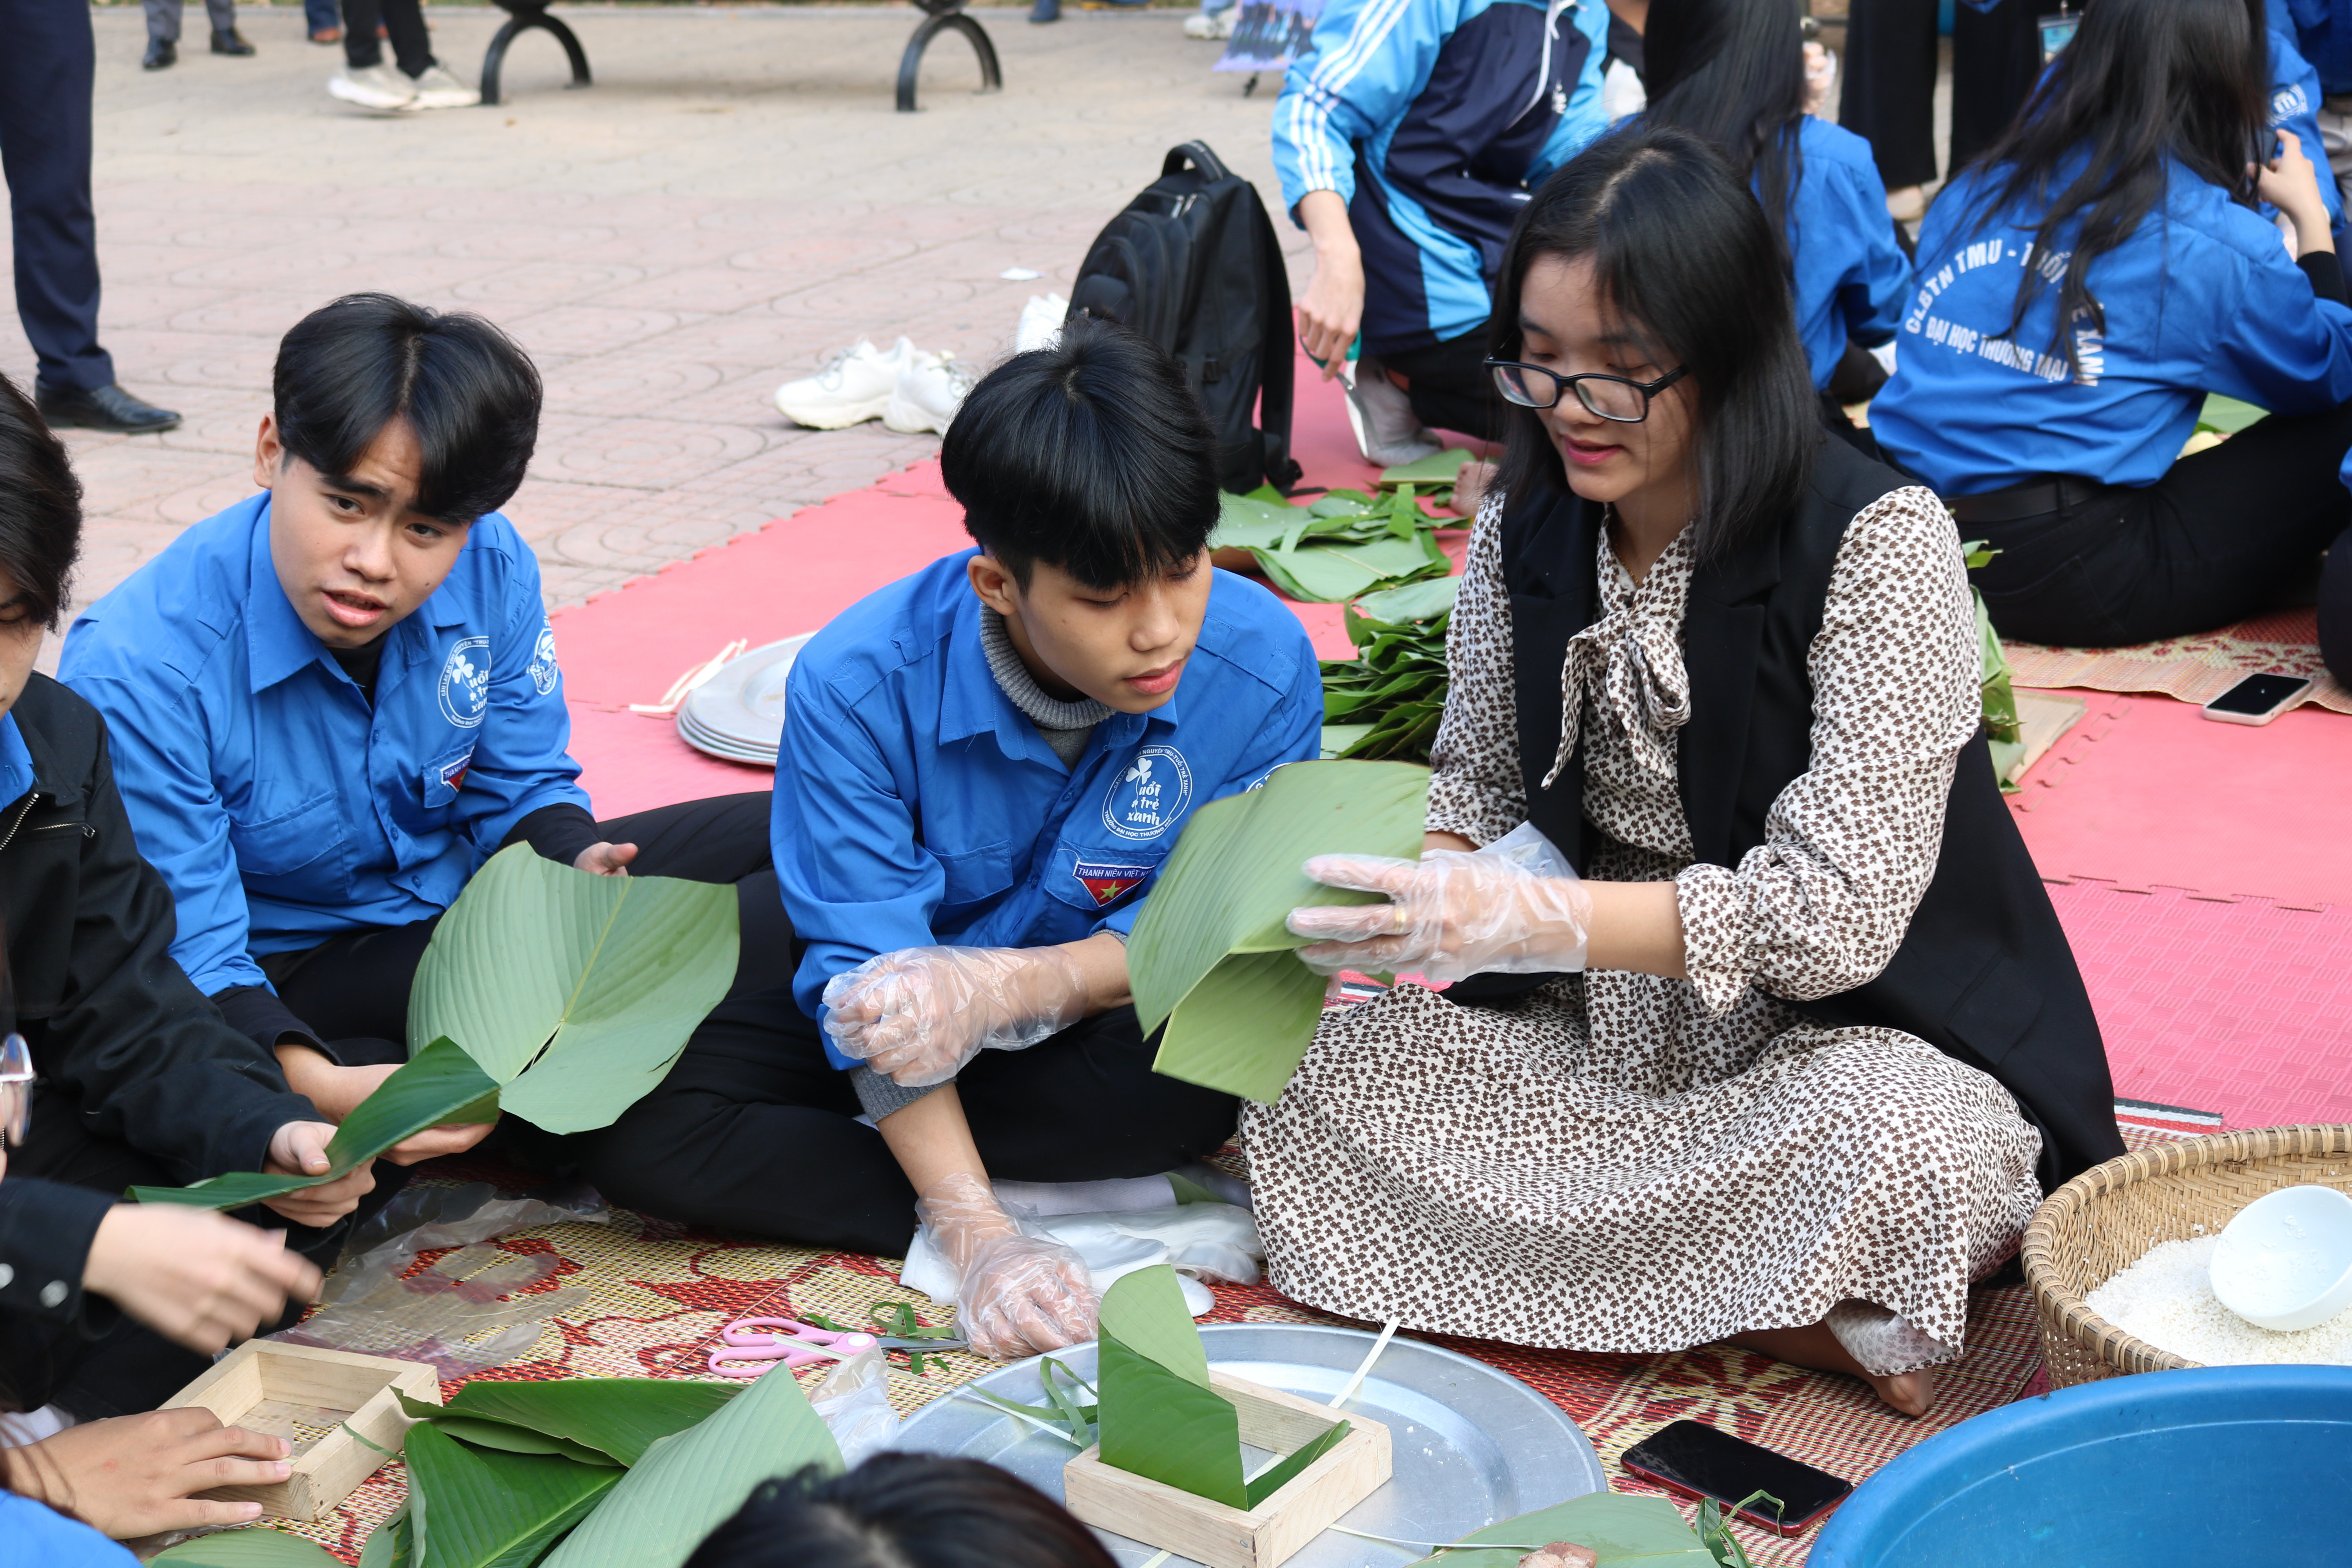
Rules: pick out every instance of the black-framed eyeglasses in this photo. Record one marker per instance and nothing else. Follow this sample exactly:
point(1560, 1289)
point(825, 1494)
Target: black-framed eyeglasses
point(1617, 397)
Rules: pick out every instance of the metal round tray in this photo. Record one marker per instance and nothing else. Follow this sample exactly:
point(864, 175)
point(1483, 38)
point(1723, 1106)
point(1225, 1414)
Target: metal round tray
point(1470, 1444)
point(739, 714)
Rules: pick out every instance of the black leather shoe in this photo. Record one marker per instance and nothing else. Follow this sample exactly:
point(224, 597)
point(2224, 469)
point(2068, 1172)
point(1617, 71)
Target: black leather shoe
point(231, 43)
point(160, 52)
point(103, 408)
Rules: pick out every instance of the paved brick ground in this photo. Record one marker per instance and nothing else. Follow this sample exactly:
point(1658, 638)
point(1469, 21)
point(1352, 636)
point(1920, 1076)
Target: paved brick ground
point(734, 198)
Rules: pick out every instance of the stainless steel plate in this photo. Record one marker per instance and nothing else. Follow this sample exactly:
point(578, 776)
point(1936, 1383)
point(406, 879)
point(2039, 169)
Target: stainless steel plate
point(1470, 1444)
point(739, 714)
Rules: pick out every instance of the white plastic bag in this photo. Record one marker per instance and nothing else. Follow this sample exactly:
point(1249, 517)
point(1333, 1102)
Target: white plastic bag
point(853, 1400)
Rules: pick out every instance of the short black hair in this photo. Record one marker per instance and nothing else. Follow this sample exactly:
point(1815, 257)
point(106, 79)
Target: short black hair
point(902, 1510)
point(472, 395)
point(40, 507)
point(1682, 252)
point(1092, 456)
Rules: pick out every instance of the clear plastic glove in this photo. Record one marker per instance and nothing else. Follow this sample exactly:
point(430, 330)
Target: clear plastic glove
point(1016, 1294)
point(919, 1015)
point(1513, 907)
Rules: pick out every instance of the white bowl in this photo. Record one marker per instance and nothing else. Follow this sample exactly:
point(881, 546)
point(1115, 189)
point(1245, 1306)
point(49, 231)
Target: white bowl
point(2284, 1262)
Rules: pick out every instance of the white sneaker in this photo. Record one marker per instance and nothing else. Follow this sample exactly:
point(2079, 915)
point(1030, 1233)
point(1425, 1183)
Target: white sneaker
point(436, 89)
point(927, 393)
point(1386, 432)
point(853, 385)
point(1040, 323)
point(373, 87)
point(1203, 25)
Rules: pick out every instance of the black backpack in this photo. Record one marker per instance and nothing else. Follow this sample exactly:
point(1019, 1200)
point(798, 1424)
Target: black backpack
point(1192, 264)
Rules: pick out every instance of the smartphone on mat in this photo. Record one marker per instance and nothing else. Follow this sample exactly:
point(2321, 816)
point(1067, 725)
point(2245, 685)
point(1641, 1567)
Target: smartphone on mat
point(2258, 699)
point(1700, 1461)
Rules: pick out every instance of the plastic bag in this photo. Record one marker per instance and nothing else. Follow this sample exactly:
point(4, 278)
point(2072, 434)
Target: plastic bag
point(477, 1307)
point(854, 1399)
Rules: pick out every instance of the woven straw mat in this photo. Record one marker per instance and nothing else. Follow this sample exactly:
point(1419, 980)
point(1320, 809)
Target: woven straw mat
point(2194, 669)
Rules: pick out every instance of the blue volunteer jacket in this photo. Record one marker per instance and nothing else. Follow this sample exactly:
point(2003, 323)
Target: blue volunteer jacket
point(279, 807)
point(1850, 276)
point(916, 805)
point(2321, 31)
point(2202, 298)
point(2294, 105)
point(1435, 119)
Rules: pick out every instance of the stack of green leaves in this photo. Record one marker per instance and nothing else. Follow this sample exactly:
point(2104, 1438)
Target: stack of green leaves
point(1211, 955)
point(1383, 705)
point(585, 1473)
point(1345, 544)
point(1160, 1417)
point(1433, 477)
point(1998, 696)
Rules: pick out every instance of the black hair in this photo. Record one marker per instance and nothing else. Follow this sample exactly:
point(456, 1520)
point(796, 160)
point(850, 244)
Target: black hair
point(1092, 456)
point(902, 1510)
point(1733, 72)
point(40, 508)
point(2145, 82)
point(472, 395)
point(1678, 246)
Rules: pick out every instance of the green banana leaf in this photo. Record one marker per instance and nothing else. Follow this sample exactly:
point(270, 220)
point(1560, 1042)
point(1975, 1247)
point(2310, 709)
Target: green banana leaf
point(1440, 470)
point(688, 1483)
point(1334, 574)
point(255, 1546)
point(509, 1439)
point(438, 1085)
point(391, 1543)
point(575, 992)
point(1338, 739)
point(483, 1507)
point(1211, 955)
point(1160, 1417)
point(1631, 1531)
point(2227, 414)
point(1424, 601)
point(615, 1418)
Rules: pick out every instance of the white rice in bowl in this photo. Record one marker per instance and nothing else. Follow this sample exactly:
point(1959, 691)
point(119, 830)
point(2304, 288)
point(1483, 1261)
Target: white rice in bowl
point(2167, 1299)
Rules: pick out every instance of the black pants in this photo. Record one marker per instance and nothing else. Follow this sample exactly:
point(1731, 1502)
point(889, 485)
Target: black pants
point(1889, 95)
point(754, 1129)
point(2219, 538)
point(1450, 386)
point(412, 46)
point(47, 63)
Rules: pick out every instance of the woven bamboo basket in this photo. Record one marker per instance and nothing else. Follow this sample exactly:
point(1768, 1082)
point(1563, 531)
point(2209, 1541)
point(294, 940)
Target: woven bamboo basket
point(2103, 1220)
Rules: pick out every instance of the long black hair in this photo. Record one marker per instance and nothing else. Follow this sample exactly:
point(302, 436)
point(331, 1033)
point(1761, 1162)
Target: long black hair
point(40, 508)
point(2145, 83)
point(1733, 72)
point(1677, 247)
point(902, 1510)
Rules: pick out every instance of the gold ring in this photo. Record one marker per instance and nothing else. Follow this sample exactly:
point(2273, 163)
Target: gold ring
point(1404, 923)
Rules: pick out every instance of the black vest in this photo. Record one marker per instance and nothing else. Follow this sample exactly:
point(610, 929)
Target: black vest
point(1984, 973)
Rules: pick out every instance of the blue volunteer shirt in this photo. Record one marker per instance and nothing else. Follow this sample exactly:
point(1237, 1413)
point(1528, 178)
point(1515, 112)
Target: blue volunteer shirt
point(279, 807)
point(1850, 278)
point(1434, 119)
point(2294, 105)
point(916, 805)
point(16, 762)
point(2201, 297)
point(2322, 30)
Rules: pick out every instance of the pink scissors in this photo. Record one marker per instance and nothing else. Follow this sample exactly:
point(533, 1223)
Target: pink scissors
point(749, 1352)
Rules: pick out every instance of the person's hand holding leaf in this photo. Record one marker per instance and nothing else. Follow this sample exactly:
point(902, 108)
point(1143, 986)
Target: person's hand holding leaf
point(1016, 1294)
point(917, 1016)
point(1513, 907)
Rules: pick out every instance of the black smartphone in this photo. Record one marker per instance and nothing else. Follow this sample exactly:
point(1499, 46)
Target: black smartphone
point(1700, 1461)
point(2258, 699)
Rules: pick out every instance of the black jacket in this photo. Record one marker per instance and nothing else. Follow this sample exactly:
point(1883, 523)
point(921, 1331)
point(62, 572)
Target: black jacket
point(1984, 973)
point(123, 1042)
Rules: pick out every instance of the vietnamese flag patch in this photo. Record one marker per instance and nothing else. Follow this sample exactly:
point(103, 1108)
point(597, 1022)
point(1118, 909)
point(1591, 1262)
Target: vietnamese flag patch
point(1109, 884)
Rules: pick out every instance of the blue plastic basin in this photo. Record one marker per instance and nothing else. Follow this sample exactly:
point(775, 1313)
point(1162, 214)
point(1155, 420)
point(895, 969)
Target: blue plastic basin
point(2217, 1465)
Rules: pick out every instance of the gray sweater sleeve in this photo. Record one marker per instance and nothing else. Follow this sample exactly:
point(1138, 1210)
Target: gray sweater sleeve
point(880, 1095)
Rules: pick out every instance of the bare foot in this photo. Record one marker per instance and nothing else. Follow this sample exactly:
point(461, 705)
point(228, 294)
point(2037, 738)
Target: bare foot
point(1906, 1392)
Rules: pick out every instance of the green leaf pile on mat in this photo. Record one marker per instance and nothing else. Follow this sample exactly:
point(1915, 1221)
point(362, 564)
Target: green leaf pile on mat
point(585, 1473)
point(1434, 475)
point(1160, 1417)
point(1345, 544)
point(438, 1085)
point(576, 993)
point(1211, 955)
point(1383, 705)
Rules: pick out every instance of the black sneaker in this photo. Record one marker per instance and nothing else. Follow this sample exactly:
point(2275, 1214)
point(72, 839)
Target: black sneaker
point(102, 408)
point(161, 53)
point(231, 43)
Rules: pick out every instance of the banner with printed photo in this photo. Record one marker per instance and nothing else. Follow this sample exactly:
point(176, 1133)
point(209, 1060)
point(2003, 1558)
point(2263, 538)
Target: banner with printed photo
point(1270, 34)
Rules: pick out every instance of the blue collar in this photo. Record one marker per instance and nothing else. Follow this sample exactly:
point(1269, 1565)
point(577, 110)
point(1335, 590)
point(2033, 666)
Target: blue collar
point(970, 702)
point(278, 645)
point(15, 761)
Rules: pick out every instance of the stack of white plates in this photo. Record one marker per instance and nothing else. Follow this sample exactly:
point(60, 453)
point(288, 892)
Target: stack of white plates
point(739, 714)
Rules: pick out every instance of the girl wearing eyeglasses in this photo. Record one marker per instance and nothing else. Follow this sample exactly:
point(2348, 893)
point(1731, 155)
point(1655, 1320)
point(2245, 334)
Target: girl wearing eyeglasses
point(1758, 1023)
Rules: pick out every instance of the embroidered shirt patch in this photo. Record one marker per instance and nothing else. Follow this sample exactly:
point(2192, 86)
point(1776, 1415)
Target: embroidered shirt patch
point(1109, 884)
